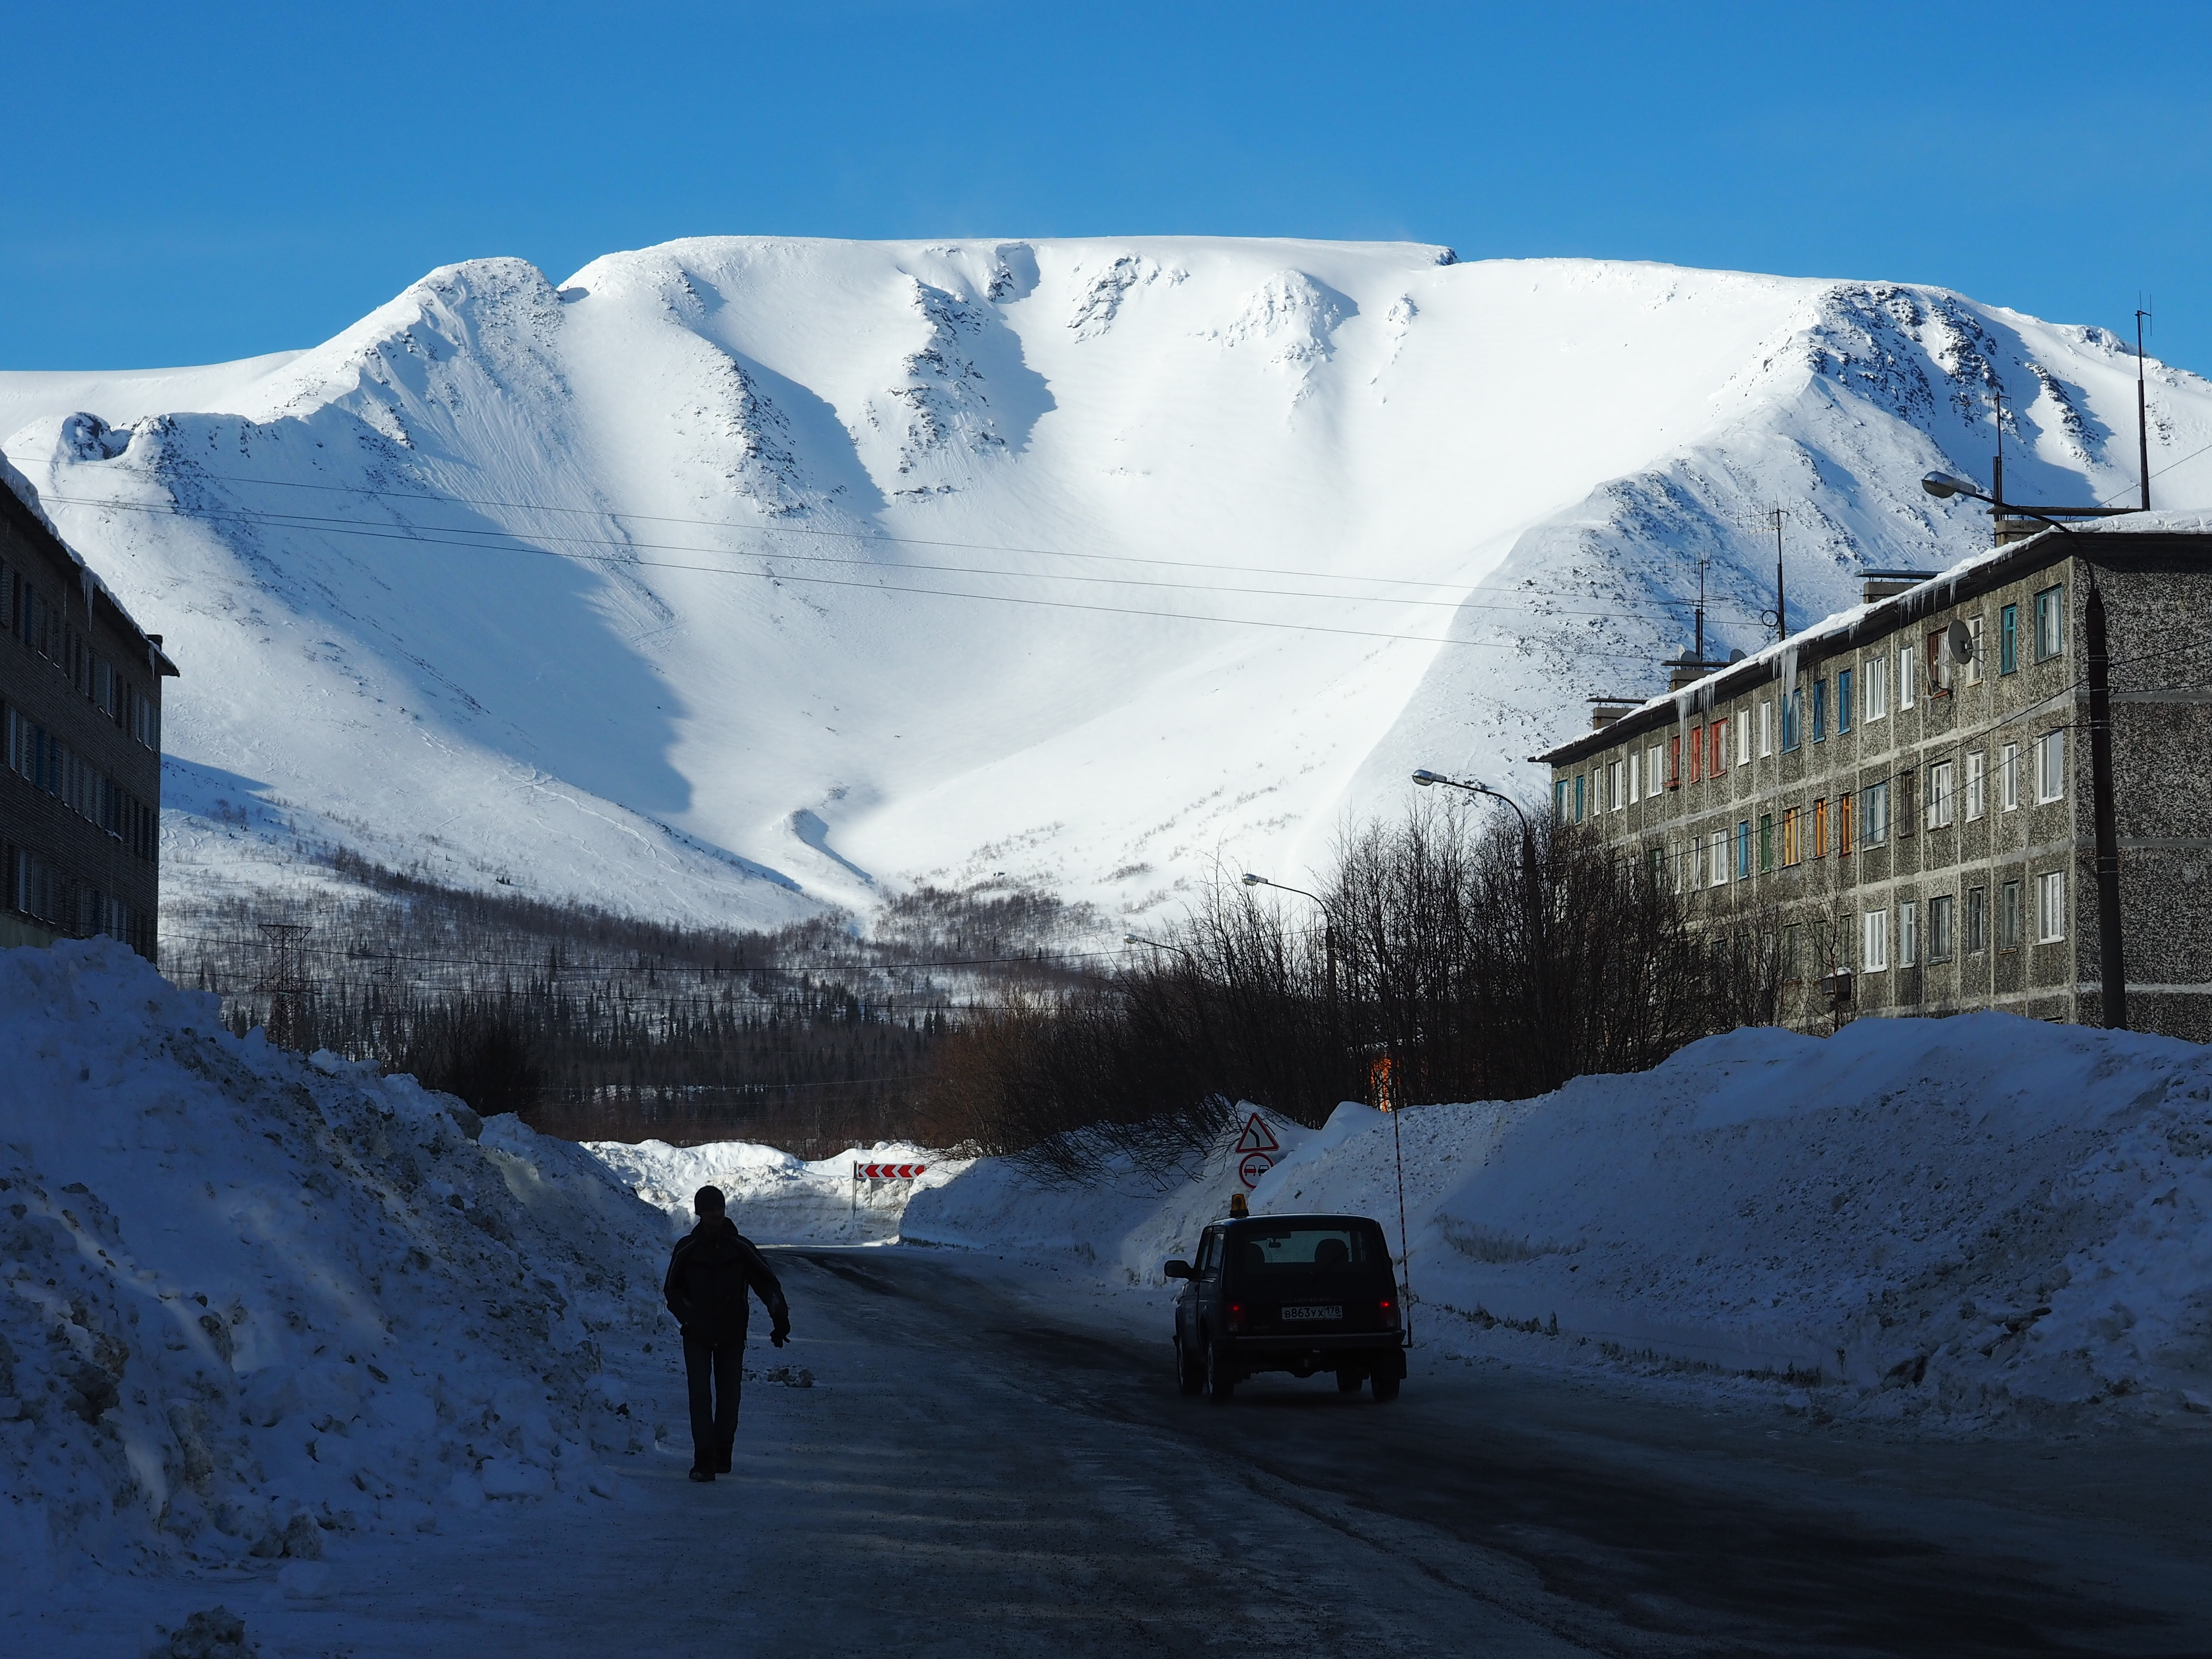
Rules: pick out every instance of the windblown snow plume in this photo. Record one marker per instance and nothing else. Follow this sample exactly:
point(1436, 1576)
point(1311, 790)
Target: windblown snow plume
point(249, 1298)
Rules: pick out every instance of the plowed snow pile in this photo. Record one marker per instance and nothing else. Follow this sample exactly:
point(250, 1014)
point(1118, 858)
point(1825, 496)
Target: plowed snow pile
point(775, 1198)
point(1977, 1218)
point(250, 1300)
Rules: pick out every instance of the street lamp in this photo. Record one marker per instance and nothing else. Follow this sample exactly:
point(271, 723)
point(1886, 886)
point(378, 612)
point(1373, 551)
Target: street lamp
point(1530, 879)
point(1944, 485)
point(1328, 929)
point(1132, 938)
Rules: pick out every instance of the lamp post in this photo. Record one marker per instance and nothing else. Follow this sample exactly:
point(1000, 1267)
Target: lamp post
point(1531, 880)
point(1328, 929)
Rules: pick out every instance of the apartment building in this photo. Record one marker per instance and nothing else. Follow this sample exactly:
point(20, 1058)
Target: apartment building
point(1902, 797)
point(80, 743)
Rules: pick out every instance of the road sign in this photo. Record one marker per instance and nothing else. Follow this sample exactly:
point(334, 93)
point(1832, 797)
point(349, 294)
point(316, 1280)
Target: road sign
point(887, 1171)
point(1257, 1139)
point(1254, 1165)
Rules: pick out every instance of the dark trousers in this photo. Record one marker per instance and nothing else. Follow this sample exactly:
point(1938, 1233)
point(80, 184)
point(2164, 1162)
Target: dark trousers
point(716, 1371)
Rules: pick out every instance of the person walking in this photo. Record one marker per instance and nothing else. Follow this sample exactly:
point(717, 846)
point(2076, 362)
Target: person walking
point(713, 1267)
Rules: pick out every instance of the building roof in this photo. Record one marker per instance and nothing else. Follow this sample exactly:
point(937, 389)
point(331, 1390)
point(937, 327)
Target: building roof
point(1846, 630)
point(20, 506)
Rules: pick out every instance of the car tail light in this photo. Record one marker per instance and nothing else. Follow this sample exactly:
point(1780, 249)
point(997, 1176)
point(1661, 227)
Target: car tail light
point(1389, 1310)
point(1237, 1315)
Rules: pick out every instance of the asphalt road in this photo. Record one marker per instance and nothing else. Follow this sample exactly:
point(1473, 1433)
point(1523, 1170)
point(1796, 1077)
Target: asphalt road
point(993, 1459)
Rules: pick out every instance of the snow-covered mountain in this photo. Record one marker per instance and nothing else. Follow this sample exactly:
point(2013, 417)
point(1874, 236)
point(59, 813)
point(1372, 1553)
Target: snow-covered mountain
point(636, 587)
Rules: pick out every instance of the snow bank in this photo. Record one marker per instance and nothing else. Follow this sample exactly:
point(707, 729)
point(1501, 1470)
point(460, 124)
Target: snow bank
point(1983, 1217)
point(774, 1197)
point(1125, 1225)
point(251, 1299)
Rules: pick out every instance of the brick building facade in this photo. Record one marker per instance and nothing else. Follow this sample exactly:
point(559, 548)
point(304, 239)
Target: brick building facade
point(79, 744)
point(1900, 796)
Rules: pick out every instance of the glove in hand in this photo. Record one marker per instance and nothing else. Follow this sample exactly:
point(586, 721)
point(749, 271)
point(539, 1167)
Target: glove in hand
point(779, 1337)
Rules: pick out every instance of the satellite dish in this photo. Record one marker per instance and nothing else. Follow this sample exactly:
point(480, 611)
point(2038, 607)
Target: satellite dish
point(1960, 639)
point(1735, 656)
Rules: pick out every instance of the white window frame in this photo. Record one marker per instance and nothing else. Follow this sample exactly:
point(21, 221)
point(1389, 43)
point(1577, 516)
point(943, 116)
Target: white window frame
point(1974, 662)
point(1655, 770)
point(1765, 730)
point(1978, 785)
point(1906, 658)
point(1908, 934)
point(1874, 691)
point(2050, 906)
point(1615, 785)
point(2008, 779)
point(2050, 766)
point(1874, 815)
point(1635, 766)
point(1942, 809)
point(1743, 737)
point(2049, 622)
point(1873, 941)
point(1717, 857)
point(1943, 927)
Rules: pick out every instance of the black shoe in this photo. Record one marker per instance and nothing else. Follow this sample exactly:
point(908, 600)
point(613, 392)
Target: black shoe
point(698, 1473)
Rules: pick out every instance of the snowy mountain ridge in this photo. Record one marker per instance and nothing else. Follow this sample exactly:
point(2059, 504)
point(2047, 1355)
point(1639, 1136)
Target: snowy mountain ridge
point(738, 575)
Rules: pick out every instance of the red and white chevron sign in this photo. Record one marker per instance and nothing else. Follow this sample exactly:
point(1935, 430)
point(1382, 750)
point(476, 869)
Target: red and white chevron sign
point(887, 1171)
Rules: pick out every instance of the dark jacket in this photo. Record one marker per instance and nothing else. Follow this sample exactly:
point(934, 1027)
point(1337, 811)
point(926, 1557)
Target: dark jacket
point(713, 1267)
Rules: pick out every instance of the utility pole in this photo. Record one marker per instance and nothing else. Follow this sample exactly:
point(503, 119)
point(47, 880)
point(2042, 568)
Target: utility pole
point(287, 990)
point(2143, 411)
point(1781, 608)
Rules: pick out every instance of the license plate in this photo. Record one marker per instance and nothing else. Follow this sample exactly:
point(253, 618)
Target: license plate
point(1333, 1310)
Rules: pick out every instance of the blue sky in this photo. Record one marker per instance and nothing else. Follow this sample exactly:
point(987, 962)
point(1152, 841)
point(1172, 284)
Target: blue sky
point(189, 183)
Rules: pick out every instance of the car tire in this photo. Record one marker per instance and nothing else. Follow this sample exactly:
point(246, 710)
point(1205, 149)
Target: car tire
point(1349, 1379)
point(1385, 1385)
point(1190, 1377)
point(1220, 1381)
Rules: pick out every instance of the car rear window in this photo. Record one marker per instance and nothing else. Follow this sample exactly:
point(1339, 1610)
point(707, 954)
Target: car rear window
point(1305, 1249)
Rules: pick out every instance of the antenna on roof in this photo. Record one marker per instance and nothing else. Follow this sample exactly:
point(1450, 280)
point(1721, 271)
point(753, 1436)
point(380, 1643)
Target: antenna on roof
point(1781, 609)
point(2143, 404)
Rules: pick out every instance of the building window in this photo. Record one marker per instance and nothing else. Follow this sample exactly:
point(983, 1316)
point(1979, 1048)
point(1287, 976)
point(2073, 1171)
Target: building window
point(1820, 711)
point(1716, 737)
point(1905, 677)
point(1978, 920)
point(1560, 800)
point(2049, 624)
point(1633, 768)
point(1843, 701)
point(1743, 850)
point(1873, 941)
point(1792, 711)
point(1977, 785)
point(1877, 688)
point(1941, 807)
point(1578, 797)
point(2008, 639)
point(1820, 828)
point(2009, 916)
point(1939, 664)
point(1942, 918)
point(1765, 730)
point(1675, 762)
point(1743, 737)
point(1974, 651)
point(1793, 968)
point(1908, 934)
point(2051, 766)
point(1843, 826)
point(1765, 843)
point(1654, 859)
point(1615, 786)
point(1873, 814)
point(2008, 777)
point(1903, 816)
point(1793, 849)
point(1716, 858)
point(2050, 906)
point(1696, 754)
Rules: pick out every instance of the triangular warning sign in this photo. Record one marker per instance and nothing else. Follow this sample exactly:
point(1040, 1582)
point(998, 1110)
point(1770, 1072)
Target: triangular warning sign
point(1256, 1138)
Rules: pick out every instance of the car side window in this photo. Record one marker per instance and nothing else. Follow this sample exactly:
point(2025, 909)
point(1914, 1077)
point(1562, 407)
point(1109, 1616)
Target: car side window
point(1209, 1251)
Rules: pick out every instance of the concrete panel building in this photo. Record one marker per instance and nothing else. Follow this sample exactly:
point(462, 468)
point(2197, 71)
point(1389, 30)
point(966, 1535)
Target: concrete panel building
point(80, 743)
point(1901, 796)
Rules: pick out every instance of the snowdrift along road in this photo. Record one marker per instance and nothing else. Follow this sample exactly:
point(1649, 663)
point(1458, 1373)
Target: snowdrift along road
point(774, 1197)
point(738, 575)
point(250, 1298)
point(1982, 1218)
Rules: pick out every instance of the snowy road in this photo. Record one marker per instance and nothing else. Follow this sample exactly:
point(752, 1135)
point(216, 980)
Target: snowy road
point(994, 1461)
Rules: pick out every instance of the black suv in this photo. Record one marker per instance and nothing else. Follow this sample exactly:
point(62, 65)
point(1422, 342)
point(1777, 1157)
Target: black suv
point(1296, 1293)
